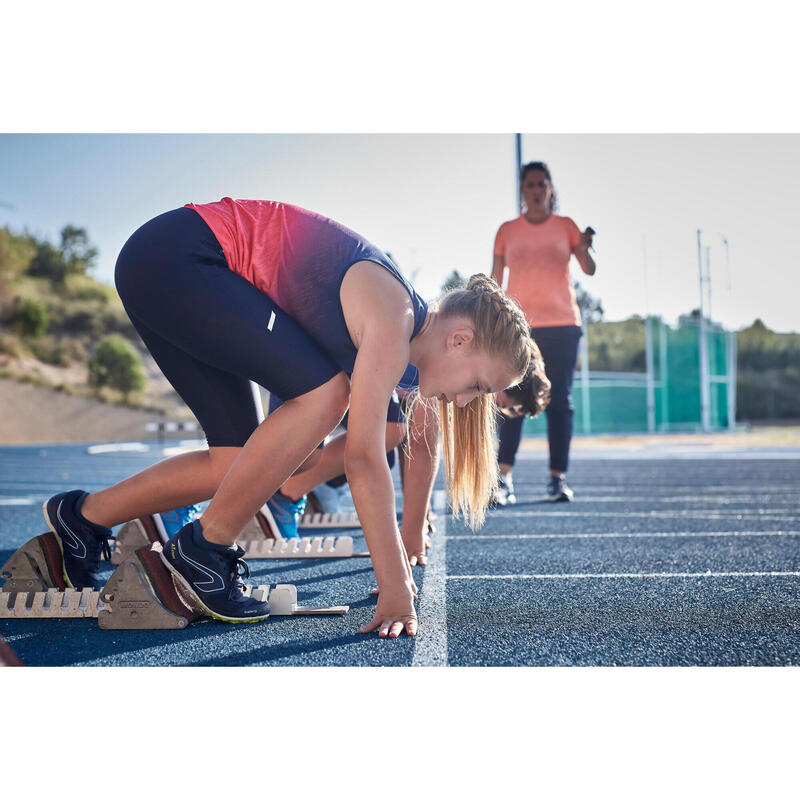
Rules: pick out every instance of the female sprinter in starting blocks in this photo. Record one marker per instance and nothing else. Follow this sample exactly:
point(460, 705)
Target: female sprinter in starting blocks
point(236, 291)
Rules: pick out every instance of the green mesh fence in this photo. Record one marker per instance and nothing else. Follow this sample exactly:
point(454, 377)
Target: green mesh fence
point(617, 402)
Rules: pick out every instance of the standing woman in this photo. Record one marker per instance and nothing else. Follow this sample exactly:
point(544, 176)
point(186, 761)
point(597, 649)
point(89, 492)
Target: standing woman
point(536, 247)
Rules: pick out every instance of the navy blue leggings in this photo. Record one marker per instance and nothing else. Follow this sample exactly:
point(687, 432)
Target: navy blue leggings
point(209, 330)
point(559, 347)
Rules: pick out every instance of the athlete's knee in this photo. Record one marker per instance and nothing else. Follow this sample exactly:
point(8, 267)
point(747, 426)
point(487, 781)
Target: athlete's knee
point(337, 391)
point(221, 458)
point(394, 434)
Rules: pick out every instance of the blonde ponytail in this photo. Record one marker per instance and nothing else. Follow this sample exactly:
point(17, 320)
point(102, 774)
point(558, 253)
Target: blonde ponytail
point(468, 434)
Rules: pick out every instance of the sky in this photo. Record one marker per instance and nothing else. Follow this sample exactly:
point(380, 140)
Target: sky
point(435, 201)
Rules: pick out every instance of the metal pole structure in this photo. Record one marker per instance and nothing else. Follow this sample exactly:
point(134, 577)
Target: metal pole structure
point(708, 283)
point(651, 388)
point(705, 416)
point(732, 345)
point(648, 348)
point(732, 353)
point(662, 363)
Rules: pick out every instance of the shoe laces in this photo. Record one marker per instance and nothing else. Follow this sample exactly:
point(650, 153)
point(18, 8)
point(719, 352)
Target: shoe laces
point(101, 548)
point(239, 569)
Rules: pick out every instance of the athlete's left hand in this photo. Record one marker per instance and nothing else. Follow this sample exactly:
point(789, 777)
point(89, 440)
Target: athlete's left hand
point(586, 238)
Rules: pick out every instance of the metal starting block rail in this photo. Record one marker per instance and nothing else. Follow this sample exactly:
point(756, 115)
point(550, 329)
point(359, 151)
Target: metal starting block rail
point(139, 595)
point(260, 539)
point(348, 520)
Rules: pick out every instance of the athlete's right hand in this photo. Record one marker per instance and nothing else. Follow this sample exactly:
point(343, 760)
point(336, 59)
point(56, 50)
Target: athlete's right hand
point(394, 613)
point(417, 550)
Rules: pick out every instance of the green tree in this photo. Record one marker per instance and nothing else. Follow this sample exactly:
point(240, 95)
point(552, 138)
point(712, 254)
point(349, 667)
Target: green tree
point(591, 307)
point(75, 256)
point(76, 250)
point(116, 364)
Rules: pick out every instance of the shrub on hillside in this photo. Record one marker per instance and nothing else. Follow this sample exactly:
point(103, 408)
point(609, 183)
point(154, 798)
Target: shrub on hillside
point(116, 364)
point(51, 351)
point(29, 318)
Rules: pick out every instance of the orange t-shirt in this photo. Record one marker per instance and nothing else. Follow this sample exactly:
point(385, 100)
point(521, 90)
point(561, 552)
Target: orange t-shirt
point(537, 257)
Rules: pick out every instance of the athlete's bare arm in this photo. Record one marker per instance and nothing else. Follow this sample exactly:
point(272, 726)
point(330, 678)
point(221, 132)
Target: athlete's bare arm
point(380, 319)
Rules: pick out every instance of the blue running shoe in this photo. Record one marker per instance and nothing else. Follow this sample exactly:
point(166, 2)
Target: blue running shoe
point(212, 575)
point(174, 520)
point(82, 542)
point(285, 514)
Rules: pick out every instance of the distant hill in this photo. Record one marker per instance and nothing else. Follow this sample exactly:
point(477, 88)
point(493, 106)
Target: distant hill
point(53, 316)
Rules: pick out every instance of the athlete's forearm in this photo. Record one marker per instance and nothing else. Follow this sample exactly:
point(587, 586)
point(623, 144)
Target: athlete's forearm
point(373, 495)
point(419, 474)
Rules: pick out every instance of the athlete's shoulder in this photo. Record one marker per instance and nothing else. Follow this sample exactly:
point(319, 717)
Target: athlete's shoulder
point(510, 223)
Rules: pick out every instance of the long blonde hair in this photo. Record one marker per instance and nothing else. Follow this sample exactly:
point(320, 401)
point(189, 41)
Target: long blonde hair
point(468, 434)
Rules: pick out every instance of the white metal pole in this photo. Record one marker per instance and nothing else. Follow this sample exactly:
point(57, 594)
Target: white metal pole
point(732, 355)
point(662, 359)
point(705, 416)
point(650, 377)
point(648, 348)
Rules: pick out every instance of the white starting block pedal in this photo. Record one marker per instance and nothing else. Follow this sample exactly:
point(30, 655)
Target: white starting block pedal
point(139, 595)
point(260, 539)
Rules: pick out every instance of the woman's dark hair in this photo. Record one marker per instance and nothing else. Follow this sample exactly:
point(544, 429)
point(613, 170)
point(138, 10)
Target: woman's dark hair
point(533, 393)
point(540, 166)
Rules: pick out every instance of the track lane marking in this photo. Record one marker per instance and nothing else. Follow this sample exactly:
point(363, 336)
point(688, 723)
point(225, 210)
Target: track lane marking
point(430, 645)
point(634, 535)
point(616, 575)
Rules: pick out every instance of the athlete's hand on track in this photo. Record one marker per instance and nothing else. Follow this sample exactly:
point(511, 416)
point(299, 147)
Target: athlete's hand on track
point(417, 551)
point(394, 613)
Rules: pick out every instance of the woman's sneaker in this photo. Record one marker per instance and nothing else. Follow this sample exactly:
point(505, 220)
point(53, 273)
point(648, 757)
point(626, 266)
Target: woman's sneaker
point(174, 520)
point(285, 514)
point(211, 574)
point(82, 542)
point(504, 493)
point(558, 491)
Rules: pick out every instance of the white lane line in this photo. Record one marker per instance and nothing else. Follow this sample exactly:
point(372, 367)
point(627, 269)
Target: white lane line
point(698, 514)
point(665, 534)
point(118, 447)
point(676, 499)
point(17, 501)
point(615, 575)
point(430, 646)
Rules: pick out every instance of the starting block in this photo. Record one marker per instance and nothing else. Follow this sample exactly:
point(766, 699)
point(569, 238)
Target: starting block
point(139, 595)
point(260, 539)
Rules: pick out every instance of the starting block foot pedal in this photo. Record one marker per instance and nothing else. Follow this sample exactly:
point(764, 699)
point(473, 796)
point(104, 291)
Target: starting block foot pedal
point(283, 602)
point(138, 533)
point(36, 567)
point(140, 594)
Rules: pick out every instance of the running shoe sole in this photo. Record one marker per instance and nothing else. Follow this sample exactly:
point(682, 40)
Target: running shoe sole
point(185, 586)
point(60, 545)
